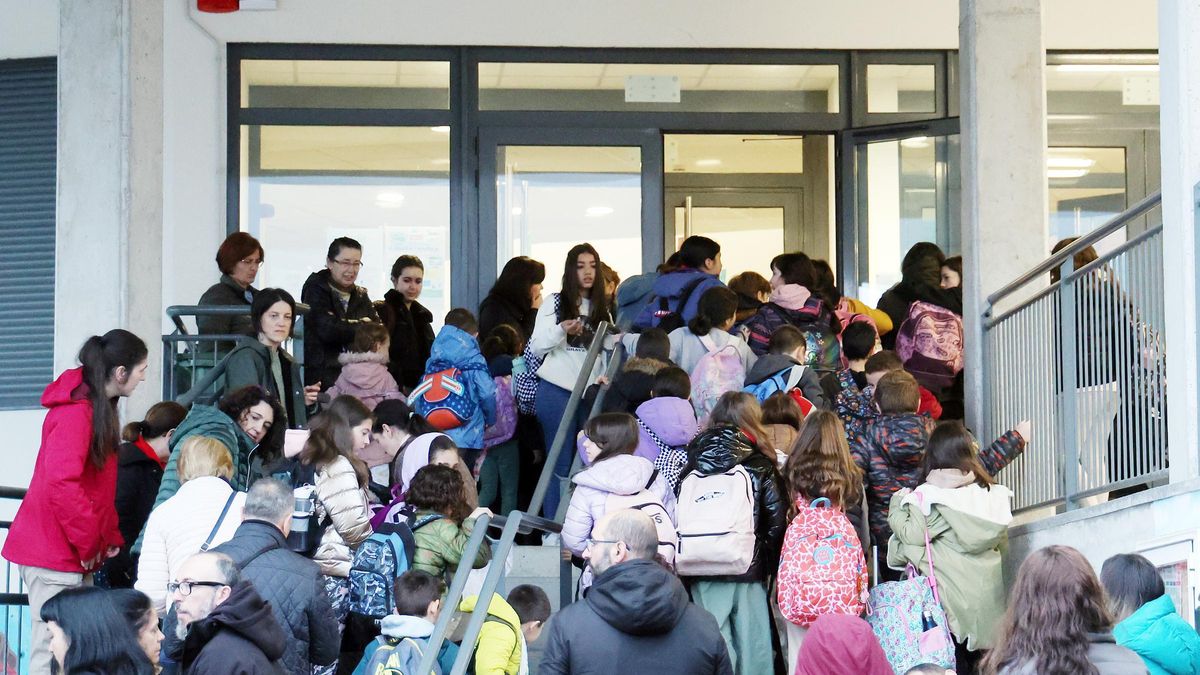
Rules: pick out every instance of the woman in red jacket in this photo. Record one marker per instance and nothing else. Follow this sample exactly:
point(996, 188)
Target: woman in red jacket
point(67, 524)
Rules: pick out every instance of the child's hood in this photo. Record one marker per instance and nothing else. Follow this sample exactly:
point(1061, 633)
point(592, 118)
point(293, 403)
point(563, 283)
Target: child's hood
point(455, 347)
point(402, 626)
point(671, 418)
point(365, 370)
point(622, 475)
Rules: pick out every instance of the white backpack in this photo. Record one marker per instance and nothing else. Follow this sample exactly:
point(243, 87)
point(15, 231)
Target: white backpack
point(648, 503)
point(718, 371)
point(715, 516)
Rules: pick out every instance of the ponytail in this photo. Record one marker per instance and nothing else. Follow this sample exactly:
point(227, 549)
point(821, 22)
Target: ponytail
point(99, 357)
point(716, 307)
point(161, 418)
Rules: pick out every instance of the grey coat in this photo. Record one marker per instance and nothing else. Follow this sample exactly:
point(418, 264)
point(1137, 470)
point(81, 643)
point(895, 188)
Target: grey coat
point(250, 363)
point(1104, 653)
point(226, 292)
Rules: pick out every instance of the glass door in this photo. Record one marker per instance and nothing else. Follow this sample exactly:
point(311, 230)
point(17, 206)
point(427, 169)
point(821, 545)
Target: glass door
point(542, 191)
point(900, 185)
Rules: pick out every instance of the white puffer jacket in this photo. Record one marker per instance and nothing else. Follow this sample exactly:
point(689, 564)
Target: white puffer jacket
point(345, 503)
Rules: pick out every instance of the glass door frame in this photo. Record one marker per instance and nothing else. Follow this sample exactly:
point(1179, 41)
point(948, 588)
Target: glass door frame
point(489, 141)
point(852, 252)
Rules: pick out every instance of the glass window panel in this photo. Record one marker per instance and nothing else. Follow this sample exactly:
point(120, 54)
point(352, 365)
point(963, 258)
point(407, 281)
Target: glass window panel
point(733, 153)
point(901, 88)
point(703, 87)
point(749, 237)
point(549, 198)
point(346, 84)
point(1087, 188)
point(1102, 83)
point(387, 187)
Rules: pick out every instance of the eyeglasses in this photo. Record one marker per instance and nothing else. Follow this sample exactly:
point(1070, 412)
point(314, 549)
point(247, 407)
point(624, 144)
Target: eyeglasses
point(184, 588)
point(590, 542)
point(356, 264)
point(251, 262)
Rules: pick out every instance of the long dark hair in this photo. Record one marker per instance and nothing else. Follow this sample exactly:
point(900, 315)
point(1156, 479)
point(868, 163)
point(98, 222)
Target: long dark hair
point(101, 641)
point(1130, 581)
point(160, 418)
point(795, 268)
point(697, 250)
point(614, 433)
point(951, 446)
point(398, 414)
point(517, 280)
point(237, 402)
point(825, 284)
point(716, 306)
point(1055, 602)
point(100, 356)
point(135, 605)
point(569, 298)
point(329, 435)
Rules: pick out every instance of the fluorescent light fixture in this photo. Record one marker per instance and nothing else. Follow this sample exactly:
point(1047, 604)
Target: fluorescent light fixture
point(516, 210)
point(1107, 68)
point(1069, 163)
point(389, 200)
point(708, 162)
point(598, 211)
point(440, 130)
point(1066, 173)
point(440, 161)
point(916, 142)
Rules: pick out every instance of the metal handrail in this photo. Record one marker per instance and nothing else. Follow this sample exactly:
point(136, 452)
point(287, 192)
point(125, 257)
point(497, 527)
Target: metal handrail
point(1067, 253)
point(490, 582)
point(176, 312)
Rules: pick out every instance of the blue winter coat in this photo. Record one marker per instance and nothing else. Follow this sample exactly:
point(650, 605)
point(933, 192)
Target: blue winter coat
point(632, 295)
point(671, 286)
point(1166, 642)
point(455, 348)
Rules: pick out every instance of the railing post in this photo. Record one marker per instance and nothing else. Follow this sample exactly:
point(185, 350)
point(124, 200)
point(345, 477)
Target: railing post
point(1068, 417)
point(454, 595)
point(490, 583)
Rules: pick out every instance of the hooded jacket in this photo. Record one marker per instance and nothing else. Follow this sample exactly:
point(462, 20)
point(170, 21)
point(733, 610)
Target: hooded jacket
point(292, 586)
point(813, 316)
point(632, 295)
point(1166, 642)
point(416, 628)
point(636, 618)
point(441, 543)
point(921, 275)
point(499, 649)
point(839, 643)
point(770, 365)
point(720, 449)
point(968, 532)
point(671, 286)
point(411, 330)
point(221, 294)
point(455, 348)
point(365, 376)
point(68, 515)
point(250, 363)
point(673, 420)
point(239, 637)
point(631, 387)
point(209, 421)
point(329, 329)
point(620, 475)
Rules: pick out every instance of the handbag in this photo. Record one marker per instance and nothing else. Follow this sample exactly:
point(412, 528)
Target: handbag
point(220, 519)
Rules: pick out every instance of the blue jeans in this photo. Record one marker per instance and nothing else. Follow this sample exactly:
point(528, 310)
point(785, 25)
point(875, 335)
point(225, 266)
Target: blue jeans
point(550, 405)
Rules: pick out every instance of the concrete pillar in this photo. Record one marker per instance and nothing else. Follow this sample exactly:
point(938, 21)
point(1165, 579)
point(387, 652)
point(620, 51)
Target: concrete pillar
point(1179, 56)
point(1003, 101)
point(109, 231)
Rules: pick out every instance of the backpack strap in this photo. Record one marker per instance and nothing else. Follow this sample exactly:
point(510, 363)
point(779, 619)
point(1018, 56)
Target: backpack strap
point(653, 477)
point(220, 519)
point(492, 618)
point(793, 378)
point(686, 294)
point(422, 522)
point(708, 343)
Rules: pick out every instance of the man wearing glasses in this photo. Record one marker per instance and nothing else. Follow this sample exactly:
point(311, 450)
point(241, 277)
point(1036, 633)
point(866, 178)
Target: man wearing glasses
point(337, 306)
point(636, 617)
point(226, 627)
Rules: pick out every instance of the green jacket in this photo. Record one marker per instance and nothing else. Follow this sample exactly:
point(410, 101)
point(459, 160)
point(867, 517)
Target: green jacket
point(440, 545)
point(1166, 642)
point(967, 550)
point(250, 363)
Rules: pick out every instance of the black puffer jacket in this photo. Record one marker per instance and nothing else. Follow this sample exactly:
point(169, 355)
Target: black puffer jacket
point(293, 586)
point(329, 329)
point(720, 449)
point(411, 330)
point(138, 478)
point(497, 309)
point(239, 637)
point(921, 281)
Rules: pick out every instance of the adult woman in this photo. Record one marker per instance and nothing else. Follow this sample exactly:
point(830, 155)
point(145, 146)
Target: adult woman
point(561, 335)
point(1057, 622)
point(679, 290)
point(140, 615)
point(514, 298)
point(794, 302)
point(408, 322)
point(244, 422)
point(91, 636)
point(205, 512)
point(67, 524)
point(921, 281)
point(140, 463)
point(847, 307)
point(341, 490)
point(1147, 621)
point(265, 362)
point(238, 259)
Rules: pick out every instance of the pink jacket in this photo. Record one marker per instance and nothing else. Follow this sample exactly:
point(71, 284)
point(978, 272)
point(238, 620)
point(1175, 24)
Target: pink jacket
point(365, 376)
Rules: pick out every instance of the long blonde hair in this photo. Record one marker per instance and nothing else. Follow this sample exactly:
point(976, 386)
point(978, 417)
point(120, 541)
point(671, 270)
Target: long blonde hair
point(820, 464)
point(741, 410)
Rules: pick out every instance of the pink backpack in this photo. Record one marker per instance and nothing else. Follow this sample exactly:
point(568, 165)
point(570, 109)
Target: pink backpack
point(718, 371)
point(846, 316)
point(821, 566)
point(930, 344)
point(506, 414)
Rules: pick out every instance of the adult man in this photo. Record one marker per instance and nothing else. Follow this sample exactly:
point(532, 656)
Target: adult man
point(636, 617)
point(288, 581)
point(226, 627)
point(336, 307)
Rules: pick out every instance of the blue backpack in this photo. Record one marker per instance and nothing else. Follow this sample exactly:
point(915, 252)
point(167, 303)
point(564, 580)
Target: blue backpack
point(396, 657)
point(444, 399)
point(784, 381)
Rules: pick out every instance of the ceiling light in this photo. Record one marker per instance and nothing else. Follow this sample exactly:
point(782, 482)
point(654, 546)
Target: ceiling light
point(708, 162)
point(598, 211)
point(1069, 163)
point(389, 200)
point(1107, 68)
point(915, 142)
point(516, 210)
point(1066, 173)
point(440, 161)
point(440, 130)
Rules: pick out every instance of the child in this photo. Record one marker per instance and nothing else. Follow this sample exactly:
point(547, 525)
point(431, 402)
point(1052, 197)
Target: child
point(856, 405)
point(500, 473)
point(442, 522)
point(432, 448)
point(964, 516)
point(781, 418)
point(613, 472)
point(753, 291)
point(666, 424)
point(859, 341)
point(714, 318)
point(820, 466)
point(365, 373)
point(631, 387)
point(405, 634)
point(782, 369)
point(890, 450)
point(457, 394)
point(724, 452)
point(512, 624)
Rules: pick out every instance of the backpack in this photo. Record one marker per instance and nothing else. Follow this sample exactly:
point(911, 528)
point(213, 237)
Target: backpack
point(647, 502)
point(443, 399)
point(785, 380)
point(718, 371)
point(930, 344)
point(525, 380)
point(821, 566)
point(715, 517)
point(506, 415)
point(397, 657)
point(846, 316)
point(666, 318)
